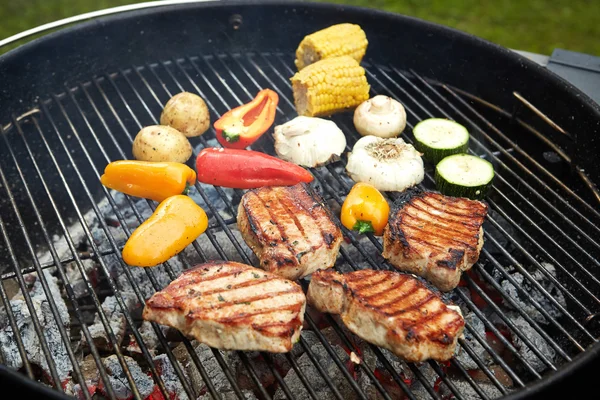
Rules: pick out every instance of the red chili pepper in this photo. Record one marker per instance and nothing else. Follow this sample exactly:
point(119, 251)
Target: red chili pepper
point(247, 169)
point(242, 126)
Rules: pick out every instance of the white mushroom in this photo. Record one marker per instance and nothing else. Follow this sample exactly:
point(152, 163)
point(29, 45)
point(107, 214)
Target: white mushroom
point(387, 164)
point(380, 116)
point(309, 141)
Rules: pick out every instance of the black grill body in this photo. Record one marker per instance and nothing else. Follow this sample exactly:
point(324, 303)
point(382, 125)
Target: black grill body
point(73, 101)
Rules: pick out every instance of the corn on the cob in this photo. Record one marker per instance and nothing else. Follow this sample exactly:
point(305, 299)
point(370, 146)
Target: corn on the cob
point(328, 86)
point(337, 40)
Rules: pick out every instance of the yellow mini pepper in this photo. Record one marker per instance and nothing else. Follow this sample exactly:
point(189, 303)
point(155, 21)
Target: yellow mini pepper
point(365, 209)
point(176, 223)
point(150, 180)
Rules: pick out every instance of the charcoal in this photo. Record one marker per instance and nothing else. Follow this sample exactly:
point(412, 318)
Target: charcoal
point(119, 381)
point(537, 341)
point(223, 240)
point(212, 368)
point(428, 375)
point(116, 319)
point(49, 324)
point(170, 378)
point(89, 370)
point(248, 395)
point(74, 276)
point(542, 300)
point(463, 357)
point(312, 374)
point(149, 337)
point(467, 392)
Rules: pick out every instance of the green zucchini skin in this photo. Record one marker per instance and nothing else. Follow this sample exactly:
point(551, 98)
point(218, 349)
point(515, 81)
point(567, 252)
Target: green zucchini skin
point(435, 155)
point(445, 185)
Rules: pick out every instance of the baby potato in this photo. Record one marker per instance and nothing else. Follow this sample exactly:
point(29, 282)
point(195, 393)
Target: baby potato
point(161, 143)
point(187, 113)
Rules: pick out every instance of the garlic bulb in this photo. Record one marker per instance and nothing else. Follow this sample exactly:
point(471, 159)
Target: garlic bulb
point(380, 116)
point(309, 141)
point(387, 164)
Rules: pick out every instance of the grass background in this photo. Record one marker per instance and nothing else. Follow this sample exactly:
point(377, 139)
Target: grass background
point(538, 26)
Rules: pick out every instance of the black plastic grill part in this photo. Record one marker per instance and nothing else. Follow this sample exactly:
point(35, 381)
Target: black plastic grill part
point(64, 144)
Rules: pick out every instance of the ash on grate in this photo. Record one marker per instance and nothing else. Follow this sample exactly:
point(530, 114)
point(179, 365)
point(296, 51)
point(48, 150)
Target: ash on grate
point(537, 341)
point(542, 300)
point(212, 368)
point(429, 379)
point(248, 395)
point(170, 378)
point(31, 341)
point(313, 375)
point(116, 320)
point(119, 382)
point(211, 253)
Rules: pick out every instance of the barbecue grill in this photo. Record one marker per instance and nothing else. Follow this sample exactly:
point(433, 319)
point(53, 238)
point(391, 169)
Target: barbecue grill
point(73, 100)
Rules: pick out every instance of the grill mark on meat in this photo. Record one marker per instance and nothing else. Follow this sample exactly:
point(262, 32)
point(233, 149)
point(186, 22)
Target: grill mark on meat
point(318, 203)
point(473, 210)
point(213, 277)
point(441, 237)
point(368, 284)
point(395, 286)
point(438, 222)
point(293, 216)
point(418, 304)
point(224, 304)
point(456, 256)
point(242, 316)
point(274, 220)
point(373, 299)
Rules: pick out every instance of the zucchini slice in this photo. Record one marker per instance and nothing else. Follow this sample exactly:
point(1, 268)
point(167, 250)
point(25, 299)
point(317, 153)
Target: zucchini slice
point(464, 175)
point(437, 138)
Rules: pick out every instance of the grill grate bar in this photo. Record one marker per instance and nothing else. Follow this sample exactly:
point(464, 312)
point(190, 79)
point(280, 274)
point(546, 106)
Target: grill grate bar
point(28, 300)
point(149, 273)
point(221, 222)
point(541, 309)
point(580, 200)
point(68, 288)
point(531, 258)
point(505, 295)
point(517, 176)
point(117, 293)
point(238, 248)
point(228, 79)
point(526, 170)
point(191, 351)
point(15, 329)
point(535, 283)
point(334, 324)
point(334, 195)
point(83, 223)
point(169, 269)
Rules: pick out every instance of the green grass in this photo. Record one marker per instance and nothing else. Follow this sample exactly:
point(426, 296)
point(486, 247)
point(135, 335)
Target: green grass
point(533, 25)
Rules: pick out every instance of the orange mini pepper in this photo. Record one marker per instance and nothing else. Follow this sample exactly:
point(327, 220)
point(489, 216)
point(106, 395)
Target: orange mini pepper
point(242, 126)
point(365, 209)
point(150, 180)
point(175, 223)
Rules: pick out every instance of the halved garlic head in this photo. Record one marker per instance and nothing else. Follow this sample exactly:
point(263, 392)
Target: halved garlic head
point(309, 141)
point(380, 116)
point(387, 164)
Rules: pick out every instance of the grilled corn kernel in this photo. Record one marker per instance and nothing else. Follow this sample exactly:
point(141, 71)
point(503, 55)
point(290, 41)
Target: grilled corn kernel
point(329, 86)
point(337, 40)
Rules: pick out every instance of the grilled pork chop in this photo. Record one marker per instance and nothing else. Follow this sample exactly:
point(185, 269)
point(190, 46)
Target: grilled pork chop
point(231, 306)
point(391, 310)
point(289, 229)
point(434, 236)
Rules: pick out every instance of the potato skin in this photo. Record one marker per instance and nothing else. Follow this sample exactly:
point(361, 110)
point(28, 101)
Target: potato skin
point(161, 143)
point(187, 113)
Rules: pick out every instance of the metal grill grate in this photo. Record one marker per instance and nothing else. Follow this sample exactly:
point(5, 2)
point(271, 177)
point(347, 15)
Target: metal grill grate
point(535, 289)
